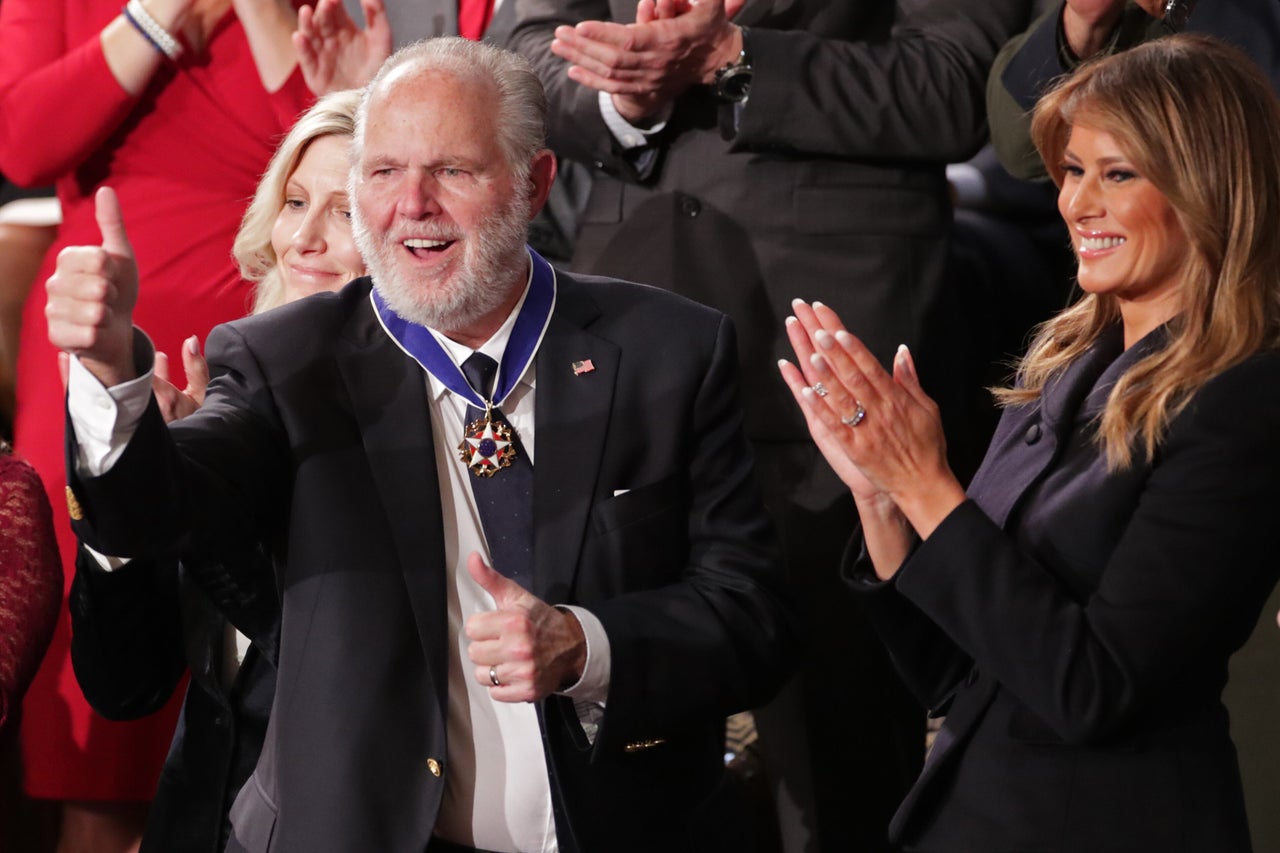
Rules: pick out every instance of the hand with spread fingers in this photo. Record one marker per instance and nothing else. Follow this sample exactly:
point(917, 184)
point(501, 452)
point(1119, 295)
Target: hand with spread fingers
point(525, 649)
point(333, 52)
point(881, 433)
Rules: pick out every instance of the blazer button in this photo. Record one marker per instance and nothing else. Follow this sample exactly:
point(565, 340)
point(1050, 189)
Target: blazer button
point(435, 767)
point(690, 206)
point(1033, 433)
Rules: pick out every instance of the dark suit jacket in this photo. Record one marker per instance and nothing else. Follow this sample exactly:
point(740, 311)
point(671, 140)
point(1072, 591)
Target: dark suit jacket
point(134, 634)
point(833, 187)
point(1074, 624)
point(316, 434)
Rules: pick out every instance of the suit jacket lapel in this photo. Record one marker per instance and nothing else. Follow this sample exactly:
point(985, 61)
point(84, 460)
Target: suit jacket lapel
point(572, 412)
point(1029, 438)
point(389, 400)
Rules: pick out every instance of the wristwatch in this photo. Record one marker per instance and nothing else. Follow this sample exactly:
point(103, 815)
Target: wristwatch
point(733, 81)
point(1176, 13)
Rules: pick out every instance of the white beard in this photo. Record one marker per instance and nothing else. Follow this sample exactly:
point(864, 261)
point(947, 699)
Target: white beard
point(459, 295)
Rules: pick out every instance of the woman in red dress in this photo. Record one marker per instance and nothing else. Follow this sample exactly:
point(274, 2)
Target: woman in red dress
point(178, 105)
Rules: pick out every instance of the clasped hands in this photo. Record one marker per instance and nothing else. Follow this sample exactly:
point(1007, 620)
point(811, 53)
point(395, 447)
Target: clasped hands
point(644, 66)
point(894, 459)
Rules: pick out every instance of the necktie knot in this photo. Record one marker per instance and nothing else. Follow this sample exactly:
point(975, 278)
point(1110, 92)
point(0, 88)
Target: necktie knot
point(480, 371)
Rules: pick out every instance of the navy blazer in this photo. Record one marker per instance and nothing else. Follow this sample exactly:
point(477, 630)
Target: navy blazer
point(1075, 623)
point(316, 435)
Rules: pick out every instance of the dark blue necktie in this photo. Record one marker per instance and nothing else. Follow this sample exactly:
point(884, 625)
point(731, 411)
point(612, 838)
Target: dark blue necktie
point(505, 500)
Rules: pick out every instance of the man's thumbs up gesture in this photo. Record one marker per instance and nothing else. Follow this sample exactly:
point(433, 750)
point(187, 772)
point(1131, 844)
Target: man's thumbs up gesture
point(91, 297)
point(525, 649)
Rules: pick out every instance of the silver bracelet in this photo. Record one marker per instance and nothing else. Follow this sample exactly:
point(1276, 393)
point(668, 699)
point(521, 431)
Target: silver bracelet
point(150, 28)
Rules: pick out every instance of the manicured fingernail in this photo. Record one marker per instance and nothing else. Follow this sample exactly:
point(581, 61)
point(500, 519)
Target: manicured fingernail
point(818, 362)
point(790, 321)
point(782, 362)
point(823, 339)
point(796, 302)
point(193, 345)
point(819, 305)
point(844, 337)
point(807, 393)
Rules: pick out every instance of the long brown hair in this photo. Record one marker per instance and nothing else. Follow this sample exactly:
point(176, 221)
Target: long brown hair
point(1200, 121)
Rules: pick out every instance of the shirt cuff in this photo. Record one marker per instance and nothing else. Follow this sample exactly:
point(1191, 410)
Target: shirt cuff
point(593, 686)
point(106, 418)
point(105, 562)
point(628, 135)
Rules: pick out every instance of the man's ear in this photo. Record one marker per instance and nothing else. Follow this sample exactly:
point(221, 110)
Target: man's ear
point(542, 173)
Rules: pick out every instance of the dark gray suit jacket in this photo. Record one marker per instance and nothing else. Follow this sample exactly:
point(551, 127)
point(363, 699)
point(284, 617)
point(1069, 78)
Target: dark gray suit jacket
point(1074, 624)
point(316, 436)
point(832, 189)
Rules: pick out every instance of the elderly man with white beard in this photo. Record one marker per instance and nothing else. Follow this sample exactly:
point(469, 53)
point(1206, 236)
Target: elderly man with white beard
point(525, 571)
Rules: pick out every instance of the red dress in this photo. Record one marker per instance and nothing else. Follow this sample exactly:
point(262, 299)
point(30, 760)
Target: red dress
point(30, 578)
point(185, 158)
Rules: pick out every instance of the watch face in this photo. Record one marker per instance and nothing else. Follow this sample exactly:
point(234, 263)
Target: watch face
point(734, 83)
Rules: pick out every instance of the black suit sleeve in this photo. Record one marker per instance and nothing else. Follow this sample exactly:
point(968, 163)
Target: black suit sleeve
point(1181, 590)
point(931, 665)
point(917, 95)
point(201, 486)
point(126, 635)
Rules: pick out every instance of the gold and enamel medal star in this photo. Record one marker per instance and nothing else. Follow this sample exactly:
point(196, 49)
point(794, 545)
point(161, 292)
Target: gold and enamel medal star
point(486, 445)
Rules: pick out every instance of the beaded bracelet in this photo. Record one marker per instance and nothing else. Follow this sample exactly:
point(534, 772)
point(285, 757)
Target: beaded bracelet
point(151, 30)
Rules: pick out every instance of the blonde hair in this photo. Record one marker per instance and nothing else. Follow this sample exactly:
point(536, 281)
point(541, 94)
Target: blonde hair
point(332, 115)
point(1200, 121)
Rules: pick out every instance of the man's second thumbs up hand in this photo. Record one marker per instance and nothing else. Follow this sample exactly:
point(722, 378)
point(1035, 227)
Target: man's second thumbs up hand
point(91, 297)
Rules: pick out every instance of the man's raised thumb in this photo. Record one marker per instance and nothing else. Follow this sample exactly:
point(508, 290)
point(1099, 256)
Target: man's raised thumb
point(111, 223)
point(502, 588)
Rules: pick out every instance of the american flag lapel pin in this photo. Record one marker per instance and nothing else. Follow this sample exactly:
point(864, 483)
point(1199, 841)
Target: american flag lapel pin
point(584, 366)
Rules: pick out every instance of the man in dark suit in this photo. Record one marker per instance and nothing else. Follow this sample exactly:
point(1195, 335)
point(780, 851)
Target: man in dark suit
point(426, 700)
point(747, 154)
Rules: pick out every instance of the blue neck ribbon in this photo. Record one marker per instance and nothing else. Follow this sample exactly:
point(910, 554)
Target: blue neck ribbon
point(526, 335)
